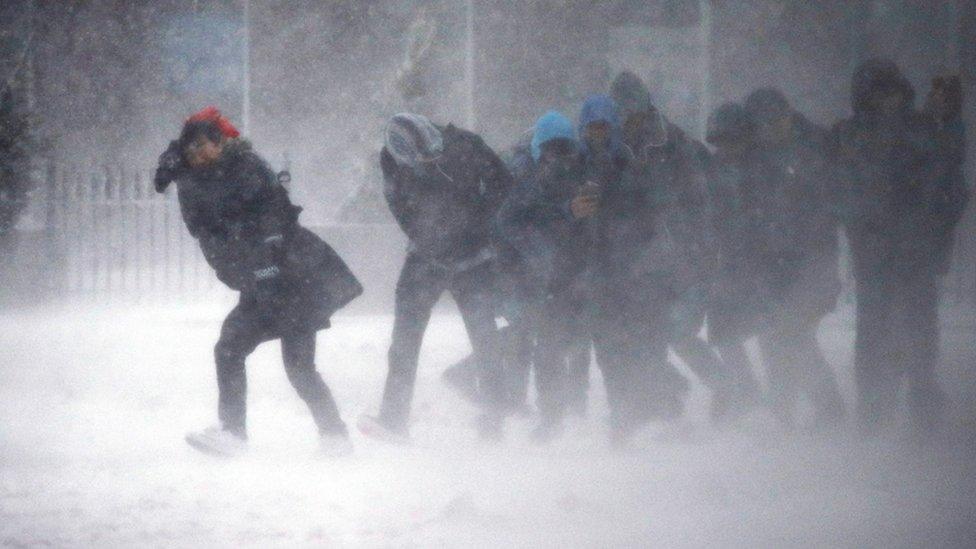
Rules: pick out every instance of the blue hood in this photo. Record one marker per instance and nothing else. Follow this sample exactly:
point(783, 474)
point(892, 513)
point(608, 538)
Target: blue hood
point(601, 108)
point(552, 125)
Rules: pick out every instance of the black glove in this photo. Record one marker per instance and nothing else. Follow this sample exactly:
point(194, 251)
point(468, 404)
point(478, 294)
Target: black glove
point(170, 167)
point(267, 268)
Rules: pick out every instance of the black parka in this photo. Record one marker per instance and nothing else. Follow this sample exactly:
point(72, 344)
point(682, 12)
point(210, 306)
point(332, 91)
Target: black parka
point(447, 207)
point(553, 249)
point(248, 228)
point(738, 299)
point(900, 179)
point(790, 198)
point(673, 191)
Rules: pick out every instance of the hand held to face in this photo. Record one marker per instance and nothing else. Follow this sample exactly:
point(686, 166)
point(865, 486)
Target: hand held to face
point(587, 201)
point(169, 167)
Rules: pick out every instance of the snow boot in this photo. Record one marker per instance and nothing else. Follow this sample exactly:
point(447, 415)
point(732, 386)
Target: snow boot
point(374, 428)
point(546, 431)
point(334, 445)
point(490, 426)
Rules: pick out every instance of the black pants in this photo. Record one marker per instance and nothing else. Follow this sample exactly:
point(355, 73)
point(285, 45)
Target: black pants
point(420, 285)
point(897, 341)
point(738, 370)
point(243, 330)
point(701, 360)
point(734, 315)
point(578, 380)
point(517, 345)
point(631, 338)
point(794, 364)
point(516, 366)
point(518, 356)
point(687, 318)
point(561, 328)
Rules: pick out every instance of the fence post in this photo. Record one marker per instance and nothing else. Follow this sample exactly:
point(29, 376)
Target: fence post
point(137, 212)
point(75, 246)
point(52, 233)
point(108, 232)
point(108, 235)
point(166, 242)
point(151, 202)
point(121, 226)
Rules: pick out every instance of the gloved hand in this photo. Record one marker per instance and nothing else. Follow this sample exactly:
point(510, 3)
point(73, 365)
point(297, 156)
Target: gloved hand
point(169, 168)
point(266, 271)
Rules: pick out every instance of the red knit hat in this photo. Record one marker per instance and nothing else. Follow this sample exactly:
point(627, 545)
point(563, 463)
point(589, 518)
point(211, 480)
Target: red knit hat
point(211, 114)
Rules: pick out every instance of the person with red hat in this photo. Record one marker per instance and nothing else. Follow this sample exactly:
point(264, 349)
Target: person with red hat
point(290, 281)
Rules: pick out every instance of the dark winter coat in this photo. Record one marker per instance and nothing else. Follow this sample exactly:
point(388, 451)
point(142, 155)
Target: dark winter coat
point(901, 181)
point(677, 260)
point(249, 233)
point(447, 208)
point(737, 301)
point(553, 249)
point(621, 230)
point(789, 198)
point(15, 168)
point(673, 193)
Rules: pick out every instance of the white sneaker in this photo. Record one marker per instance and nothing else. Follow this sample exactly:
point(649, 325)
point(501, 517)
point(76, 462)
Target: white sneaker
point(217, 442)
point(334, 446)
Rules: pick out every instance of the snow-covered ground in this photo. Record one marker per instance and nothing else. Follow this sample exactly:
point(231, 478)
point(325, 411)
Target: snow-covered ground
point(94, 402)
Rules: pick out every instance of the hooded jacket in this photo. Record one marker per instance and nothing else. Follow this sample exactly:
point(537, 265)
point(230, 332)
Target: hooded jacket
point(523, 158)
point(902, 195)
point(622, 229)
point(411, 137)
point(447, 207)
point(737, 300)
point(672, 185)
point(551, 126)
point(630, 94)
point(668, 170)
point(794, 213)
point(789, 191)
point(549, 245)
point(601, 108)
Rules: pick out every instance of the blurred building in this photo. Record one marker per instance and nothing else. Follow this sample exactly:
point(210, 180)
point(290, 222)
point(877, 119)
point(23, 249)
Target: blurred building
point(110, 81)
point(114, 78)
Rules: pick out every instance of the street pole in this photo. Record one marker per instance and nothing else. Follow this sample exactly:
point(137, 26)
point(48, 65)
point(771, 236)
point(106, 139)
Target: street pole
point(29, 67)
point(858, 13)
point(246, 84)
point(705, 58)
point(966, 13)
point(469, 64)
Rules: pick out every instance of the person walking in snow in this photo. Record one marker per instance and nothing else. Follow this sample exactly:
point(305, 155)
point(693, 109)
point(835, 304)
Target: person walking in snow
point(630, 306)
point(443, 186)
point(670, 169)
point(903, 195)
point(789, 191)
point(290, 281)
point(736, 305)
point(543, 223)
